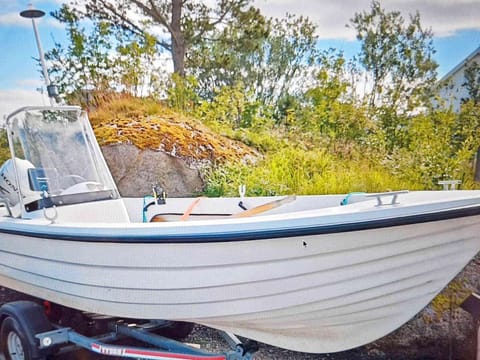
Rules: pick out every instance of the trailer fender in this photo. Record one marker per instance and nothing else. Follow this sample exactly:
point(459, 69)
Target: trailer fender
point(32, 320)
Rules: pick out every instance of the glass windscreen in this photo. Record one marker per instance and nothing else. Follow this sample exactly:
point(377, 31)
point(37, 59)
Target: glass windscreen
point(57, 159)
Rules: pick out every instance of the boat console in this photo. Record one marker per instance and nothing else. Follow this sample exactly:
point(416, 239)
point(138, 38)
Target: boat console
point(56, 162)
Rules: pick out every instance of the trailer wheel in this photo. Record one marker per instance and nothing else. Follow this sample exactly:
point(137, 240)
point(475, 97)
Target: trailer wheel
point(13, 343)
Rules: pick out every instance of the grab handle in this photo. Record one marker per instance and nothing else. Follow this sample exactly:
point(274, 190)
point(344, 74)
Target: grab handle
point(380, 196)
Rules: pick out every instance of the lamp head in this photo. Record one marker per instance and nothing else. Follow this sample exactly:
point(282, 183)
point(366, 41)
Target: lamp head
point(32, 14)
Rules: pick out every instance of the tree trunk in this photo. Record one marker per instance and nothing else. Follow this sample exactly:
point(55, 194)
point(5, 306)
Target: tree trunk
point(178, 39)
point(477, 166)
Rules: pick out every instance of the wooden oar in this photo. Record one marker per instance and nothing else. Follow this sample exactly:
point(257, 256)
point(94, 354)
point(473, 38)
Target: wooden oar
point(265, 207)
point(190, 208)
point(186, 214)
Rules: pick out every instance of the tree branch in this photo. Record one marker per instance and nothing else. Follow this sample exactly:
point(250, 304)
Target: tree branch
point(213, 24)
point(126, 23)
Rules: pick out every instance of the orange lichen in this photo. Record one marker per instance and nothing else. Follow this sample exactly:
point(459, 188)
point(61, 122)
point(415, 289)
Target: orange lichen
point(150, 125)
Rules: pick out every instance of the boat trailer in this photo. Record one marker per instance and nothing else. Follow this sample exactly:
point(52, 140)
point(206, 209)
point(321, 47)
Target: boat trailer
point(24, 336)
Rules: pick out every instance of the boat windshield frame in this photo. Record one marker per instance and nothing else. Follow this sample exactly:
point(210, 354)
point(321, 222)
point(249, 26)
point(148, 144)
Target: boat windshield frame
point(57, 160)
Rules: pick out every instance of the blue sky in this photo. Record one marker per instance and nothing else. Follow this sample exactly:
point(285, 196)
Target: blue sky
point(454, 22)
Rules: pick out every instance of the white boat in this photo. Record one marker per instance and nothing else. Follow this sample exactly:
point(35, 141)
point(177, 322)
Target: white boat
point(302, 273)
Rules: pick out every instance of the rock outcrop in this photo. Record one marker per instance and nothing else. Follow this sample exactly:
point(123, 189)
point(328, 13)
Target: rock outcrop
point(146, 144)
point(135, 171)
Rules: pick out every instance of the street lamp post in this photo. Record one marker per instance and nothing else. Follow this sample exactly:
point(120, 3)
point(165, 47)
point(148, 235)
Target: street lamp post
point(35, 14)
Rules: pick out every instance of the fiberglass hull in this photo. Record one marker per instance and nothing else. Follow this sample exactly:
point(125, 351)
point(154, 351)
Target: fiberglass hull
point(302, 281)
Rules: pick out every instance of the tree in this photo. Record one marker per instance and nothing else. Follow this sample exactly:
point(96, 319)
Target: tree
point(472, 82)
point(397, 56)
point(135, 67)
point(221, 60)
point(331, 109)
point(272, 58)
point(284, 64)
point(185, 22)
point(85, 63)
point(101, 58)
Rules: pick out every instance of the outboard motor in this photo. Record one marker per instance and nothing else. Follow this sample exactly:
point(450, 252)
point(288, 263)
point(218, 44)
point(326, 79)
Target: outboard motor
point(9, 189)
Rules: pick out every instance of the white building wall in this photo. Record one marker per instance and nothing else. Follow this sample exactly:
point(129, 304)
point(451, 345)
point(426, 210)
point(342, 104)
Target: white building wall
point(453, 91)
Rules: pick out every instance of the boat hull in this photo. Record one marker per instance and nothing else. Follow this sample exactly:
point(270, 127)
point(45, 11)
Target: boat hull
point(314, 293)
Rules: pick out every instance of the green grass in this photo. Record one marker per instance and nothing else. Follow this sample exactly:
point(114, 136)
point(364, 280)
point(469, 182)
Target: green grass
point(293, 170)
point(299, 159)
point(290, 160)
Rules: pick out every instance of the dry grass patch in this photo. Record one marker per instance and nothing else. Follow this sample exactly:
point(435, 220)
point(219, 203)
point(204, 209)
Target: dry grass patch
point(150, 125)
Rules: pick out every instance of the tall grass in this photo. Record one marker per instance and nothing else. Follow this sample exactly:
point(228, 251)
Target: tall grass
point(301, 159)
point(293, 170)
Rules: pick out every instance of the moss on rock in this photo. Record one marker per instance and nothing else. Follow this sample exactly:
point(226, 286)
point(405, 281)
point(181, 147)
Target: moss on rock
point(150, 125)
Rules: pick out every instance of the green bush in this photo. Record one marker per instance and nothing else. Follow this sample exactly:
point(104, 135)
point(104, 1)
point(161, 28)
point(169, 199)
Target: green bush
point(293, 170)
point(441, 146)
point(4, 149)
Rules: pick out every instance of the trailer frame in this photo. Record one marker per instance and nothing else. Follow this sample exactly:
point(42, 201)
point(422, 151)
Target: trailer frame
point(38, 337)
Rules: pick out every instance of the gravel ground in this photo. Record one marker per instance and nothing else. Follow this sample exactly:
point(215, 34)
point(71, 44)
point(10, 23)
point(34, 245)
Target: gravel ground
point(211, 340)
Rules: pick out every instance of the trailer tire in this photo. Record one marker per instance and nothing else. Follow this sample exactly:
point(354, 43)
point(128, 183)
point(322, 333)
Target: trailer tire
point(25, 319)
point(13, 342)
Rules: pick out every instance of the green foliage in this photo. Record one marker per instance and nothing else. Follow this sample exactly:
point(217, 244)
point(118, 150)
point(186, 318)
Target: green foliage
point(394, 127)
point(178, 25)
point(284, 60)
point(133, 64)
point(262, 139)
point(263, 82)
point(472, 82)
point(84, 64)
point(466, 127)
point(398, 57)
point(270, 57)
point(441, 146)
point(101, 59)
point(331, 109)
point(231, 107)
point(215, 60)
point(4, 149)
point(331, 83)
point(181, 93)
point(293, 170)
point(355, 153)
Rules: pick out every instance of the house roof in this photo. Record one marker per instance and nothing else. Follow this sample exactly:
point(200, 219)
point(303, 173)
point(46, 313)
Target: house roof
point(460, 65)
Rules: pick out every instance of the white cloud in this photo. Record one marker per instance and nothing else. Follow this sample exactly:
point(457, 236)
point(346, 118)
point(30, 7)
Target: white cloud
point(32, 83)
point(12, 18)
point(445, 17)
point(8, 5)
point(11, 100)
point(10, 12)
point(448, 17)
point(53, 23)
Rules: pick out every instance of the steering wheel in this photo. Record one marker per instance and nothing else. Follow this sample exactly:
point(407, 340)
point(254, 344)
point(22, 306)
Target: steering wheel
point(83, 187)
point(67, 181)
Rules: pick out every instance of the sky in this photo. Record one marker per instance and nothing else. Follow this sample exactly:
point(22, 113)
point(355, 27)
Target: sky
point(455, 24)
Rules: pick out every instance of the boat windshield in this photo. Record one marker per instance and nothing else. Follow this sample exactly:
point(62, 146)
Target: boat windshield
point(57, 159)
